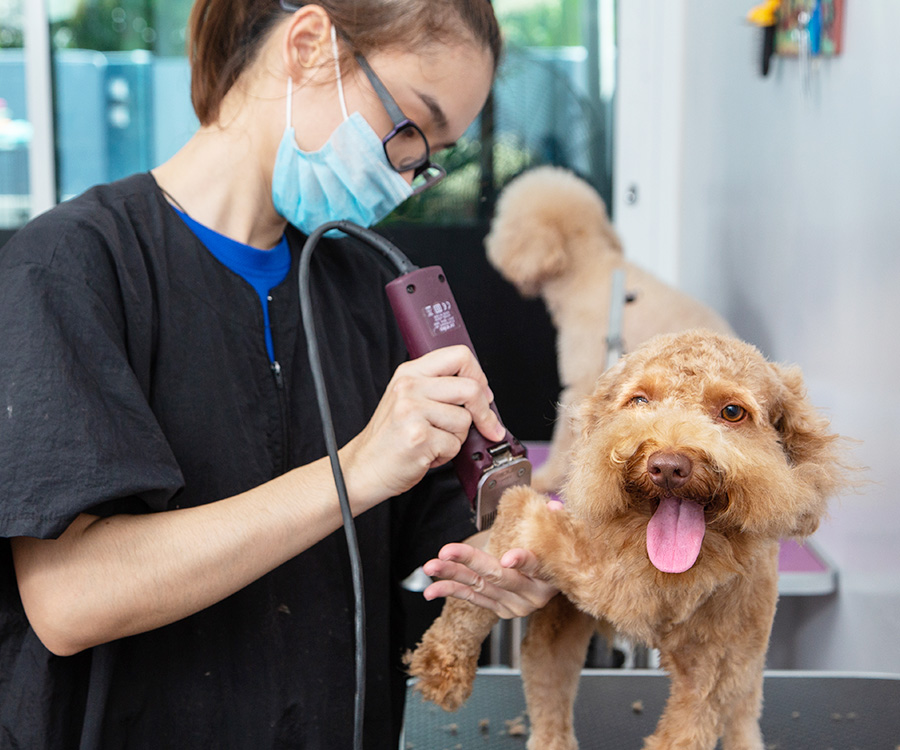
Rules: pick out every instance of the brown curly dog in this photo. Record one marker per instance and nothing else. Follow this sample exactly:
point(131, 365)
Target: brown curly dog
point(696, 456)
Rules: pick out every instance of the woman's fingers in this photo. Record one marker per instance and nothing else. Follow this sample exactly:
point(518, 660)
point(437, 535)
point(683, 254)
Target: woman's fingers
point(503, 609)
point(509, 586)
point(421, 421)
point(451, 360)
point(443, 403)
point(452, 375)
point(478, 569)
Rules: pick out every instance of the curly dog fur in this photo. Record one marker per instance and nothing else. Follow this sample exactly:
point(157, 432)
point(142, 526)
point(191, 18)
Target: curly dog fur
point(551, 237)
point(696, 420)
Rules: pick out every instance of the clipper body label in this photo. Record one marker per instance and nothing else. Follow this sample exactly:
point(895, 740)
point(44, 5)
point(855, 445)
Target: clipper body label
point(440, 317)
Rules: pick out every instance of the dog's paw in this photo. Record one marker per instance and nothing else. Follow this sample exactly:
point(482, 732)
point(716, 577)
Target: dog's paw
point(685, 738)
point(551, 742)
point(743, 737)
point(521, 501)
point(443, 677)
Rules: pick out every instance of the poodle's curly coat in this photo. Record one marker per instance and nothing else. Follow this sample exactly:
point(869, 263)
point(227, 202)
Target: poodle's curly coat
point(696, 424)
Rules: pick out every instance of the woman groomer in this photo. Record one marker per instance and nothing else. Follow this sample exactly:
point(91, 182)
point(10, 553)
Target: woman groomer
point(162, 484)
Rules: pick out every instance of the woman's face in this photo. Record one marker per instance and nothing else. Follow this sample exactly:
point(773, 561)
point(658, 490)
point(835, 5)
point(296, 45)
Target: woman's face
point(441, 89)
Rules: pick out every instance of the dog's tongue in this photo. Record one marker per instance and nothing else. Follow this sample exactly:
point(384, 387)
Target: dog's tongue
point(674, 534)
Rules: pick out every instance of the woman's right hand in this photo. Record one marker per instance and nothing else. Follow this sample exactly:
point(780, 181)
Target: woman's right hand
point(421, 422)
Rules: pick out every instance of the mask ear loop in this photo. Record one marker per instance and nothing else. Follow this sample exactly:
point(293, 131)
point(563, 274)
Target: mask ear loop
point(337, 70)
point(290, 100)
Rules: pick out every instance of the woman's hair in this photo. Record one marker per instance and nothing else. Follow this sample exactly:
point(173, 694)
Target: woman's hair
point(225, 36)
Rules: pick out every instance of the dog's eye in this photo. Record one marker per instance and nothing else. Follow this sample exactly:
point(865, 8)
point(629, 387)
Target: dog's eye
point(733, 413)
point(639, 399)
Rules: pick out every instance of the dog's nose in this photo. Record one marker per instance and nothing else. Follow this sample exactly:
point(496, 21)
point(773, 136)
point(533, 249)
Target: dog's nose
point(669, 470)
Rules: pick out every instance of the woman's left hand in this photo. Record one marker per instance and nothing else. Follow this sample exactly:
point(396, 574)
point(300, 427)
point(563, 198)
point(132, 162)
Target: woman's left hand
point(509, 586)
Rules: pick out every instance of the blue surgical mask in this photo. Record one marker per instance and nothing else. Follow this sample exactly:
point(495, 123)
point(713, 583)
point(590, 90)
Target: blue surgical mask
point(349, 178)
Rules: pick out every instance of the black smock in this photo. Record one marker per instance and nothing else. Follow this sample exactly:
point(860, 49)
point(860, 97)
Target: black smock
point(135, 378)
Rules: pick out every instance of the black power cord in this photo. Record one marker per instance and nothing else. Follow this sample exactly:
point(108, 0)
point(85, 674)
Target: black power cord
point(403, 265)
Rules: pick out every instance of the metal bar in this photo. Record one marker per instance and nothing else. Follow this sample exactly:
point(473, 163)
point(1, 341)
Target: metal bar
point(39, 99)
point(615, 346)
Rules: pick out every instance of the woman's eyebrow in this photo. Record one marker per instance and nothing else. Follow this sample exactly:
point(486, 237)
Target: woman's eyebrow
point(437, 114)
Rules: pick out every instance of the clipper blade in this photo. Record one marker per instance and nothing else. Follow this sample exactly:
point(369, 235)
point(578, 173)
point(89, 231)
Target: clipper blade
point(504, 474)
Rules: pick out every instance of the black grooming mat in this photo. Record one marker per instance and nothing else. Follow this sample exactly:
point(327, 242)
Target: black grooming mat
point(616, 709)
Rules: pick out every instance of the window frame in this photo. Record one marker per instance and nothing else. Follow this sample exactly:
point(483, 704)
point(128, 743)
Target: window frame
point(39, 98)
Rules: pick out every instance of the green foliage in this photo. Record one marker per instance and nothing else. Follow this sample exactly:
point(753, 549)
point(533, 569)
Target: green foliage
point(11, 37)
point(12, 22)
point(108, 26)
point(553, 23)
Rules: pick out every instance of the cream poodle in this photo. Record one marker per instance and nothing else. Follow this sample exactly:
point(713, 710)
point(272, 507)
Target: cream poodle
point(551, 237)
point(695, 457)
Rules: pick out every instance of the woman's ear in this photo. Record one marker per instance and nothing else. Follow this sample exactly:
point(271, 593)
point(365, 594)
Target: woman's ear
point(307, 41)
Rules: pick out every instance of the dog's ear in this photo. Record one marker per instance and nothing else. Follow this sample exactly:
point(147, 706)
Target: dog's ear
point(804, 431)
point(526, 256)
point(808, 443)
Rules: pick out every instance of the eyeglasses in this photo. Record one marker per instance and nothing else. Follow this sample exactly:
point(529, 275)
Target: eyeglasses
point(405, 146)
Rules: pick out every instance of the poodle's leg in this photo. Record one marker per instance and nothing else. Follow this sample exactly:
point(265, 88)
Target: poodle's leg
point(550, 476)
point(446, 660)
point(742, 720)
point(719, 699)
point(690, 720)
point(716, 691)
point(553, 655)
point(739, 691)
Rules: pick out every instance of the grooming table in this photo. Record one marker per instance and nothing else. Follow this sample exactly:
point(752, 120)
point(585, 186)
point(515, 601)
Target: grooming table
point(616, 709)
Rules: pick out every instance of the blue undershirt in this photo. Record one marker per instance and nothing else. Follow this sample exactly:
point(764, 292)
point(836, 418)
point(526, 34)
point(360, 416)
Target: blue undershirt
point(262, 269)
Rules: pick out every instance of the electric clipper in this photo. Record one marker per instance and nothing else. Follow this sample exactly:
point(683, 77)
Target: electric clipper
point(429, 319)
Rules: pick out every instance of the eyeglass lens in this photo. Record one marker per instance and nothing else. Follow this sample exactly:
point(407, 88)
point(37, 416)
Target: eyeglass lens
point(427, 177)
point(406, 148)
